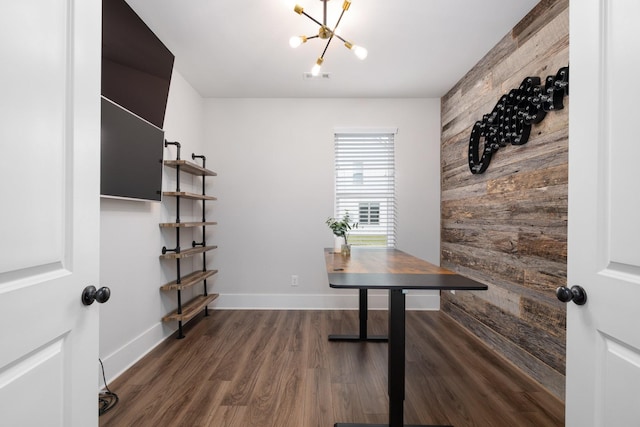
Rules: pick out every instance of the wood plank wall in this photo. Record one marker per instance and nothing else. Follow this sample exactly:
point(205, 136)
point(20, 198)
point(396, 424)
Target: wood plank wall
point(508, 226)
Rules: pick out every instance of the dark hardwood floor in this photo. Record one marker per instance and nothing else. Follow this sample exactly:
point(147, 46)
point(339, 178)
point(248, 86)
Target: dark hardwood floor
point(276, 368)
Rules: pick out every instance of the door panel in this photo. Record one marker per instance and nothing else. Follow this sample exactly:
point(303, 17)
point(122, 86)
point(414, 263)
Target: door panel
point(620, 383)
point(33, 109)
point(44, 367)
point(603, 344)
point(49, 222)
point(620, 57)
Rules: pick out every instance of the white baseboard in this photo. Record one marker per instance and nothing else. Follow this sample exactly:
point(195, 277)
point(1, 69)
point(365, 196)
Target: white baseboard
point(127, 355)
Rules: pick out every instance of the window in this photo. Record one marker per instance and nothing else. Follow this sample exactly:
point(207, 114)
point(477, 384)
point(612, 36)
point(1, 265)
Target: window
point(365, 186)
point(369, 213)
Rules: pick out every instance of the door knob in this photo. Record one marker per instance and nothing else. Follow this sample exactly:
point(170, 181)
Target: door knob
point(91, 294)
point(577, 294)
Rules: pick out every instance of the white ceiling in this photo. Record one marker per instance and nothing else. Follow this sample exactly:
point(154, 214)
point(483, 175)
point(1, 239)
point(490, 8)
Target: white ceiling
point(240, 49)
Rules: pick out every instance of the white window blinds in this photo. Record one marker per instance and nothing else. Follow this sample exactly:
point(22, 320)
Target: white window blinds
point(365, 186)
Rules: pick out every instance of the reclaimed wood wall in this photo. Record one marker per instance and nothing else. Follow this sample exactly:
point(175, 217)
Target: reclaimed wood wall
point(508, 226)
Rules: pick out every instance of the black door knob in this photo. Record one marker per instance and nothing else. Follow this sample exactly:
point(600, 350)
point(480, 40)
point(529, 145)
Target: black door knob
point(91, 294)
point(577, 294)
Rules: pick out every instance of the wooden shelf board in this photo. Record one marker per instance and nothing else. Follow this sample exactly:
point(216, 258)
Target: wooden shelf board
point(186, 224)
point(190, 309)
point(187, 252)
point(186, 195)
point(188, 280)
point(189, 167)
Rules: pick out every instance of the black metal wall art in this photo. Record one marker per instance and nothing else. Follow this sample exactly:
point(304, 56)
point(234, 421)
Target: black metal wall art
point(510, 120)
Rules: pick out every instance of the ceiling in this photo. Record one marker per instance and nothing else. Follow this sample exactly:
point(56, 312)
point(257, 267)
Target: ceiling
point(240, 49)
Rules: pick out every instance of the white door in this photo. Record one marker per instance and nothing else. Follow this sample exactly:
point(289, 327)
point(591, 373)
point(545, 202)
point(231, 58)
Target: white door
point(603, 336)
point(49, 211)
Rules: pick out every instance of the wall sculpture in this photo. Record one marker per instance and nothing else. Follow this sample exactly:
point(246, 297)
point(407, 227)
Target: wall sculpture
point(510, 120)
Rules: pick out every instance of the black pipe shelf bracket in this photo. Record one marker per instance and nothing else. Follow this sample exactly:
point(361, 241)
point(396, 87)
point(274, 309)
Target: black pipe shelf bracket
point(186, 311)
point(510, 120)
point(177, 144)
point(204, 227)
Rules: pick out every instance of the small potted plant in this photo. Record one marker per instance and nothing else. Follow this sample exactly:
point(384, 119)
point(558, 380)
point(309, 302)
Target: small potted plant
point(341, 229)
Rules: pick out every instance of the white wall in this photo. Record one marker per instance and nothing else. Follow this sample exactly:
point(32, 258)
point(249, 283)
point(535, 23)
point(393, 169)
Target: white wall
point(274, 159)
point(131, 241)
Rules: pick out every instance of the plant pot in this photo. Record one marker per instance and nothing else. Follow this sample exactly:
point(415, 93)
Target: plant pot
point(337, 244)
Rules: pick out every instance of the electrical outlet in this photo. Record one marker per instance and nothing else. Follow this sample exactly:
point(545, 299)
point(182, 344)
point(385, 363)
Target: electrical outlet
point(294, 280)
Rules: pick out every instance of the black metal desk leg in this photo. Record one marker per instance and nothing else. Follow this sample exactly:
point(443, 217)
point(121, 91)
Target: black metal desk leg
point(363, 312)
point(396, 356)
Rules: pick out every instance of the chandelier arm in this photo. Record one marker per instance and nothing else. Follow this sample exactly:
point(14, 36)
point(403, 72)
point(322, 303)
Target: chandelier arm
point(343, 40)
point(312, 18)
point(325, 48)
point(333, 33)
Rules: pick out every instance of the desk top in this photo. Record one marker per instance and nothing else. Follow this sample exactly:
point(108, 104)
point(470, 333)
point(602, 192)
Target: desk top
point(383, 268)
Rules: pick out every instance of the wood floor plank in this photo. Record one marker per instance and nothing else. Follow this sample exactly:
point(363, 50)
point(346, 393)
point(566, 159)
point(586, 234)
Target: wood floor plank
point(290, 409)
point(276, 368)
point(228, 416)
point(346, 403)
point(372, 383)
point(270, 386)
point(200, 411)
point(318, 399)
point(317, 348)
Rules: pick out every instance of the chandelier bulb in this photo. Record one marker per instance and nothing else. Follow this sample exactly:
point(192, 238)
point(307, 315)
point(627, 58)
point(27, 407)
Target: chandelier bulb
point(296, 41)
point(315, 71)
point(360, 52)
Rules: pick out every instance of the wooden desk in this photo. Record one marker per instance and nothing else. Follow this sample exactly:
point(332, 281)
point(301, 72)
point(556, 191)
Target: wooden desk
point(396, 271)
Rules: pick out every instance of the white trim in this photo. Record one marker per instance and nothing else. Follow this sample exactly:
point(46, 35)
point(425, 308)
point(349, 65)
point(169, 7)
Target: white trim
point(126, 356)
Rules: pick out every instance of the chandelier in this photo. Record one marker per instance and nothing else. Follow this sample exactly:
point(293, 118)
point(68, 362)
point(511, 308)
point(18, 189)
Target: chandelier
point(326, 33)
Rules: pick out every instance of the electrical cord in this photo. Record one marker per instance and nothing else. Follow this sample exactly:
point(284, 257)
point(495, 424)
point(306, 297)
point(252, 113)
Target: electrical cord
point(106, 399)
